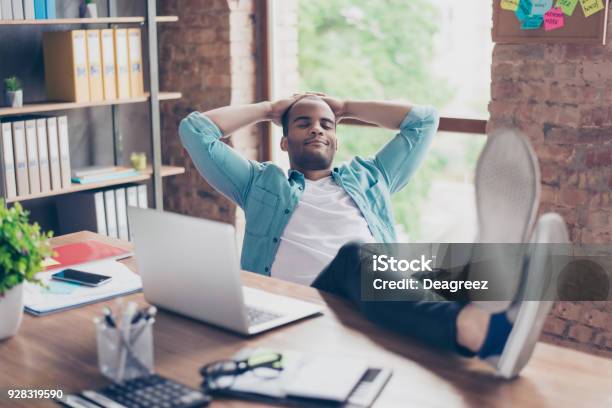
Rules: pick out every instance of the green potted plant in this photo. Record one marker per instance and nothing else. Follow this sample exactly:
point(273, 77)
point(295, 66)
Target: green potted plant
point(23, 247)
point(14, 92)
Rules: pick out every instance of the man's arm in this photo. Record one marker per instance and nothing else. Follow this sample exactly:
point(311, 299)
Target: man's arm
point(399, 159)
point(222, 167)
point(229, 119)
point(382, 113)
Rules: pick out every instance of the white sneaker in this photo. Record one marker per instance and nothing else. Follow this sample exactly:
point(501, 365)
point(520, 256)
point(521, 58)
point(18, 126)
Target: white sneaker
point(528, 316)
point(507, 187)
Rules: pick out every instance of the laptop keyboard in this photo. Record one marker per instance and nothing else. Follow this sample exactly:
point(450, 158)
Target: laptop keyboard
point(257, 316)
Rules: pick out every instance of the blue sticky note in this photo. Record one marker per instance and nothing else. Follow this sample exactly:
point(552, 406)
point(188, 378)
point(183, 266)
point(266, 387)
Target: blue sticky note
point(540, 7)
point(532, 23)
point(60, 288)
point(524, 9)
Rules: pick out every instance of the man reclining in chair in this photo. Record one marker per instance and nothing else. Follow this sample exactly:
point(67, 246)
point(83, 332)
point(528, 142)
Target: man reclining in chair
point(303, 227)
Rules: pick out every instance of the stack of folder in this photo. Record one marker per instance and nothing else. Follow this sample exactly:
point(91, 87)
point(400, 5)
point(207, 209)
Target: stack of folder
point(35, 155)
point(102, 211)
point(93, 65)
point(27, 9)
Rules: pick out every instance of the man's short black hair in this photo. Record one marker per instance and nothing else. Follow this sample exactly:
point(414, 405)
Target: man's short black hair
point(285, 116)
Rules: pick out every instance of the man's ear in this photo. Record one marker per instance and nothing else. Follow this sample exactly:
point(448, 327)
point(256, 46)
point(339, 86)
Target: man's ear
point(283, 143)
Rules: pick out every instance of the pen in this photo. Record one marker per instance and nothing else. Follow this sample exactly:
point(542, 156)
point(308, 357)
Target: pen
point(108, 316)
point(124, 331)
point(151, 312)
point(137, 317)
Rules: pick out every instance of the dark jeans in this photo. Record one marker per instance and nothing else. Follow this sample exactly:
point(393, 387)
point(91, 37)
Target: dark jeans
point(428, 321)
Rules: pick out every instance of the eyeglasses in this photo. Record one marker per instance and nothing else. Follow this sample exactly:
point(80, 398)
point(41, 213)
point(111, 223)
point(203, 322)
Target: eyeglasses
point(222, 374)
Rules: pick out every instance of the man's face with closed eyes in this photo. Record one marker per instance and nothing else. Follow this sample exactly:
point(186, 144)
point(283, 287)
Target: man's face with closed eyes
point(309, 128)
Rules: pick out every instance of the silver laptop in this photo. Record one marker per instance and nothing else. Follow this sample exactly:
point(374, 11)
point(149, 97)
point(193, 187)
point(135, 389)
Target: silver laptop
point(190, 266)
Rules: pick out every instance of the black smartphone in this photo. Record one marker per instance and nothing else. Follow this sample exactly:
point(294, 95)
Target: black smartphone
point(80, 277)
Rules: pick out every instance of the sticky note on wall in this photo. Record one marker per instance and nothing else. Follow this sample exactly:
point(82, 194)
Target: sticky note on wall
point(568, 6)
point(554, 19)
point(524, 9)
point(540, 7)
point(591, 7)
point(532, 22)
point(511, 5)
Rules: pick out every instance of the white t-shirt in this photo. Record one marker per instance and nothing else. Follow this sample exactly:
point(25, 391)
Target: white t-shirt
point(325, 219)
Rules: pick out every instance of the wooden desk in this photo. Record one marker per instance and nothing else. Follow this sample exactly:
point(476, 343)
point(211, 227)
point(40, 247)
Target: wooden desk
point(59, 352)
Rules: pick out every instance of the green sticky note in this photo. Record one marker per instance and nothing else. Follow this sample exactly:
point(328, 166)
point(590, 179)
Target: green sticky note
point(532, 22)
point(524, 10)
point(511, 5)
point(567, 6)
point(591, 7)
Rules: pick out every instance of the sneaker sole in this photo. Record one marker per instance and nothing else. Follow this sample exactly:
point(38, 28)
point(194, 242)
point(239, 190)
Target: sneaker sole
point(507, 198)
point(508, 183)
point(532, 314)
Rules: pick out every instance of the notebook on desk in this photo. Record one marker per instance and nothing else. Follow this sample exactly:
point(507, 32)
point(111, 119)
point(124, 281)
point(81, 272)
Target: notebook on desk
point(311, 380)
point(56, 296)
point(86, 251)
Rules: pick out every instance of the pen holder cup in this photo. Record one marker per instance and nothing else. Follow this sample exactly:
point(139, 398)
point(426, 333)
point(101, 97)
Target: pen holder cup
point(120, 358)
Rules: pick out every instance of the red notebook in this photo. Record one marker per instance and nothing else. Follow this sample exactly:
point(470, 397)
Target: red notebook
point(84, 252)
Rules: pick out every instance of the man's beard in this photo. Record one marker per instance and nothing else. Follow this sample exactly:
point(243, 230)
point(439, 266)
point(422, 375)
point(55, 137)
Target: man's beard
point(312, 161)
point(309, 160)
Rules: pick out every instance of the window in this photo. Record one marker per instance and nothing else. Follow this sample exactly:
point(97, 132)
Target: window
point(434, 52)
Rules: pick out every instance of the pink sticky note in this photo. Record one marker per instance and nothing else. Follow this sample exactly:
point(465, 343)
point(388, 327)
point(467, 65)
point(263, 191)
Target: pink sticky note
point(554, 19)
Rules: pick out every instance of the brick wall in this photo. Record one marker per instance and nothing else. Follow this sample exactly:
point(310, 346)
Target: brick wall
point(560, 96)
point(209, 56)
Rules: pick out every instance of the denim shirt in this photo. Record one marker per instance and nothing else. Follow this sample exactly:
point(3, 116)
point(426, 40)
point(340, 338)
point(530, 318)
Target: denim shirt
point(268, 197)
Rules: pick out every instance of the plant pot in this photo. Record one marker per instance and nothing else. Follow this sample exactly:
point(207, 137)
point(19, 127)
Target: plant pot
point(11, 311)
point(14, 99)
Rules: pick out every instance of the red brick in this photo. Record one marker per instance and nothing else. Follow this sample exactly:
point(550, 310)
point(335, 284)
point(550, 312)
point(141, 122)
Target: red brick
point(595, 318)
point(573, 197)
point(581, 333)
point(555, 326)
point(568, 310)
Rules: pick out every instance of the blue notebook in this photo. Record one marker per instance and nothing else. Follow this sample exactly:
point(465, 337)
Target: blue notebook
point(40, 10)
point(50, 9)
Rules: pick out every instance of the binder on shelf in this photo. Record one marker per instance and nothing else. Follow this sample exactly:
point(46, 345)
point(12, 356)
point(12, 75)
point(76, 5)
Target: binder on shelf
point(108, 64)
point(135, 58)
point(43, 155)
point(54, 154)
point(17, 10)
point(132, 201)
point(122, 63)
point(8, 164)
point(66, 72)
point(132, 196)
point(82, 211)
point(142, 196)
point(21, 158)
point(64, 150)
point(94, 64)
point(32, 151)
point(111, 213)
point(7, 9)
point(40, 12)
point(122, 221)
point(50, 9)
point(28, 9)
